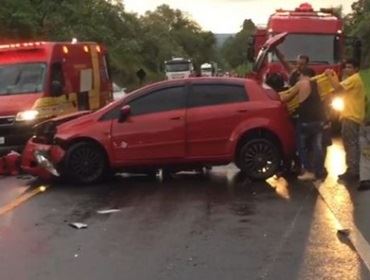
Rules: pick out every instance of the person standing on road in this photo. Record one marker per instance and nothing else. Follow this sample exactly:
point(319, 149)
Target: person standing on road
point(353, 92)
point(295, 70)
point(309, 126)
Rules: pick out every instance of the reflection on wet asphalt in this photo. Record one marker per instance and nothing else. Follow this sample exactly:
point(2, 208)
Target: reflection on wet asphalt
point(214, 226)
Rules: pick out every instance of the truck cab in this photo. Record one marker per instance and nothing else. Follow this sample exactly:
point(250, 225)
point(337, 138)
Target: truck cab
point(41, 80)
point(178, 68)
point(317, 34)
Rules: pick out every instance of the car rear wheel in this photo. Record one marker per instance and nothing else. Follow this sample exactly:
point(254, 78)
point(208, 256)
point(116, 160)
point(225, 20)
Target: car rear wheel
point(85, 163)
point(259, 158)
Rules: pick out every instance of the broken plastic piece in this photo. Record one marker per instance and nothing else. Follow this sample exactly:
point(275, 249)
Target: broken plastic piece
point(108, 211)
point(78, 225)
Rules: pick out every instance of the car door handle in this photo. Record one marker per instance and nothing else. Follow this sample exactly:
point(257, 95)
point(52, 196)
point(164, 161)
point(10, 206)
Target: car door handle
point(175, 118)
point(242, 111)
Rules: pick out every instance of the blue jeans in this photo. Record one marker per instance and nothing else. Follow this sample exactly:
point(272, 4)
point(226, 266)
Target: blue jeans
point(310, 141)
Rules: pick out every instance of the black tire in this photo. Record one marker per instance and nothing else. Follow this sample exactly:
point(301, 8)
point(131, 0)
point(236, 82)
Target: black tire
point(152, 174)
point(85, 163)
point(259, 158)
point(167, 174)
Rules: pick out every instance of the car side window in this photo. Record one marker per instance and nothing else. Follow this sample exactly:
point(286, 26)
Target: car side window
point(206, 95)
point(159, 101)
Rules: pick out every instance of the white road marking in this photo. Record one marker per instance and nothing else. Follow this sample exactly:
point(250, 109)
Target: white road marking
point(355, 236)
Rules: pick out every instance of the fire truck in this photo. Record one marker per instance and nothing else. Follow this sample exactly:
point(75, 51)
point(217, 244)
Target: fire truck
point(41, 80)
point(318, 34)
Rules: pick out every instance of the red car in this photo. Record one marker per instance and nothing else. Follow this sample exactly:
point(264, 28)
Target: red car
point(175, 125)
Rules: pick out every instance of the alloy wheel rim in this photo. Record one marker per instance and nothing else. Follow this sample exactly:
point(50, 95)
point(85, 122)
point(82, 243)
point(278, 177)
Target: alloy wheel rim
point(260, 158)
point(85, 162)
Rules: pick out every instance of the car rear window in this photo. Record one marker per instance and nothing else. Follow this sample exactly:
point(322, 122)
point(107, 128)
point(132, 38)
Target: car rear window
point(207, 94)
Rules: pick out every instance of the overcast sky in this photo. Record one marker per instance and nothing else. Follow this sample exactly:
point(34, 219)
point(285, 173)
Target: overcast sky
point(227, 16)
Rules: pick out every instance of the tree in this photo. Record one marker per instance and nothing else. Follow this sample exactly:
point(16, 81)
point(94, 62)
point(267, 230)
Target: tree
point(357, 25)
point(133, 42)
point(169, 33)
point(235, 48)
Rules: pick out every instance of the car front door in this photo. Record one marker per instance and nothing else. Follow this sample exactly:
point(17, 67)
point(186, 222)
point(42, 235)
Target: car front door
point(214, 111)
point(154, 129)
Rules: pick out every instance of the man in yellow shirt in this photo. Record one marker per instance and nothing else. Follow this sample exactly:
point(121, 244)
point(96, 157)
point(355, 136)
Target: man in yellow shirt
point(353, 92)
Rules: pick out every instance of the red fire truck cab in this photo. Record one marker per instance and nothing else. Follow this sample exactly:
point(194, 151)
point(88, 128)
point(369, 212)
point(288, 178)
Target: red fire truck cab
point(41, 80)
point(318, 34)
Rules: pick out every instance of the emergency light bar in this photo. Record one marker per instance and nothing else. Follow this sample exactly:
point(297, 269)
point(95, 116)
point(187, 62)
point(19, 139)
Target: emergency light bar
point(21, 45)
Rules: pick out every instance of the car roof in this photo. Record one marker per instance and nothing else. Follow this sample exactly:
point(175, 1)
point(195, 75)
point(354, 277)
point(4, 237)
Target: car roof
point(180, 82)
point(186, 81)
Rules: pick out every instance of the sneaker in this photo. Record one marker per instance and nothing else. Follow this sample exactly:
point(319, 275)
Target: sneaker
point(307, 176)
point(364, 186)
point(348, 177)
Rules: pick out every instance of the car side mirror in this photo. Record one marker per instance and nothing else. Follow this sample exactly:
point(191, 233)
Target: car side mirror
point(124, 113)
point(56, 88)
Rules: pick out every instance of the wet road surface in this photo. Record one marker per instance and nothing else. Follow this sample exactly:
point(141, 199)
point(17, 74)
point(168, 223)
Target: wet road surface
point(215, 226)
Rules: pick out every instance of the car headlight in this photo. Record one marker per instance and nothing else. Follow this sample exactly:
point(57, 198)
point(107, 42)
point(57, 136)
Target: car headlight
point(338, 104)
point(29, 115)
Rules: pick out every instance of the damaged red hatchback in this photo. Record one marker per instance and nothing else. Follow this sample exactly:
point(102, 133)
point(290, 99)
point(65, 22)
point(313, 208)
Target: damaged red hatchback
point(175, 125)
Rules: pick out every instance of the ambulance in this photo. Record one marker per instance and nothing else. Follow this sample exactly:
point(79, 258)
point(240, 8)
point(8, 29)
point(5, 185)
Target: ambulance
point(42, 80)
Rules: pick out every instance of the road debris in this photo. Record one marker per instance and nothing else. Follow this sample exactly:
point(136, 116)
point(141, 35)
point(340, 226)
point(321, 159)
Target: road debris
point(108, 211)
point(78, 225)
point(10, 164)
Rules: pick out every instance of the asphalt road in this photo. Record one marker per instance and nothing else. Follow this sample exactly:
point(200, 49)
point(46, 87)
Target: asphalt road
point(214, 226)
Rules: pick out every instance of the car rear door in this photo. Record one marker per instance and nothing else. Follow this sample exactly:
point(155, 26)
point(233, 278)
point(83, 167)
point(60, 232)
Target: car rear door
point(214, 111)
point(155, 128)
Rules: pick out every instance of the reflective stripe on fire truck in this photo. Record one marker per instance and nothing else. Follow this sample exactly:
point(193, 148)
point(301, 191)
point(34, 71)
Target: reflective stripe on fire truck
point(94, 96)
point(55, 106)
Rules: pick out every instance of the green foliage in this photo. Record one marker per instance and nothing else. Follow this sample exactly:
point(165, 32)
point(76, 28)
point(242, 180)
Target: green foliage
point(235, 49)
point(133, 42)
point(357, 25)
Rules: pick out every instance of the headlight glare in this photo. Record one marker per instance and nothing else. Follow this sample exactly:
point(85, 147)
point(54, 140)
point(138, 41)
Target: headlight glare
point(338, 104)
point(29, 115)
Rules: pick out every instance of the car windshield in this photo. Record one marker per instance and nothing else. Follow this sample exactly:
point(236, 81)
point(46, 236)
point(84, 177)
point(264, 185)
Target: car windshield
point(22, 78)
point(320, 48)
point(178, 66)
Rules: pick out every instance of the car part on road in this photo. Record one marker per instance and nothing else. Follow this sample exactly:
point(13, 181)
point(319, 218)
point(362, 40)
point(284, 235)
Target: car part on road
point(108, 211)
point(259, 158)
point(85, 163)
point(78, 225)
point(10, 164)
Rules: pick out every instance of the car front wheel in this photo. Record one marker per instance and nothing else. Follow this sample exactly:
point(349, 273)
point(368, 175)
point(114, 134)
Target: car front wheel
point(85, 163)
point(259, 158)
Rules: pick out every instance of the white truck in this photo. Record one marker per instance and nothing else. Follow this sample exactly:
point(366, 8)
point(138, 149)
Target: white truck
point(208, 69)
point(178, 68)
